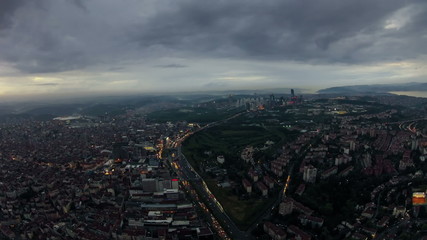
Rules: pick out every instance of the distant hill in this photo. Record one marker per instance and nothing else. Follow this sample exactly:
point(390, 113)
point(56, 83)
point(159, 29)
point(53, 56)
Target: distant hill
point(96, 106)
point(374, 89)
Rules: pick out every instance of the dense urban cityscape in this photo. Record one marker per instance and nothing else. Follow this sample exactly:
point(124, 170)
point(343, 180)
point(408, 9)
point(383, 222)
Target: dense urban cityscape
point(247, 167)
point(213, 120)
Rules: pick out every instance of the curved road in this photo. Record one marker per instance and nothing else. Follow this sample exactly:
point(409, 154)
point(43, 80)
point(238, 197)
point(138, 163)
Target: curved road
point(206, 196)
point(203, 191)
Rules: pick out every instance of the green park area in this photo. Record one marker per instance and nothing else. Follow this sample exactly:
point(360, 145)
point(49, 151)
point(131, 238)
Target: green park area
point(242, 212)
point(229, 139)
point(189, 114)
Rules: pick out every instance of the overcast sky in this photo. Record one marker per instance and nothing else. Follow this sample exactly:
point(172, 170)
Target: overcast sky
point(81, 46)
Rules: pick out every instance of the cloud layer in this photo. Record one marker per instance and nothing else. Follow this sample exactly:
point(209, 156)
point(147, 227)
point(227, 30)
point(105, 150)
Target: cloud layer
point(147, 37)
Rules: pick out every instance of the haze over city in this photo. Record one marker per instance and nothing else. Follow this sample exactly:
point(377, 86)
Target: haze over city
point(213, 120)
point(74, 47)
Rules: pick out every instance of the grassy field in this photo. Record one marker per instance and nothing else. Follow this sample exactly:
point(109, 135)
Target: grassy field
point(224, 140)
point(229, 140)
point(242, 212)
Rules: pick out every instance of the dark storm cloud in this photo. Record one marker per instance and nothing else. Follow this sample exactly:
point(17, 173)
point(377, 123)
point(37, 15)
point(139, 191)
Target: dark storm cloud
point(35, 42)
point(171, 66)
point(7, 9)
point(331, 30)
point(80, 4)
point(61, 35)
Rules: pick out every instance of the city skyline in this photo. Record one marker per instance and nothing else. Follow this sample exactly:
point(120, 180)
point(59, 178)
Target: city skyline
point(94, 47)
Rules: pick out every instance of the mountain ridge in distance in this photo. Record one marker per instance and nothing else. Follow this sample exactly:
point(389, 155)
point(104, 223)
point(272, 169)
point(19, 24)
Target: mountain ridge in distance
point(375, 88)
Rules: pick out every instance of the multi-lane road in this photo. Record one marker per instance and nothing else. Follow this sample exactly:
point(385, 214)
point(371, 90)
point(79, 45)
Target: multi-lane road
point(187, 173)
point(190, 182)
point(209, 199)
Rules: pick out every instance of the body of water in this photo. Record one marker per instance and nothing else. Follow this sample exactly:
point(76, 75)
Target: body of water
point(422, 94)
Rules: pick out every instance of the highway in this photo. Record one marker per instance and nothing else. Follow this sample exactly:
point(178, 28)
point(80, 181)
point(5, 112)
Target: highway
point(190, 182)
point(209, 199)
point(206, 196)
point(411, 126)
point(187, 173)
